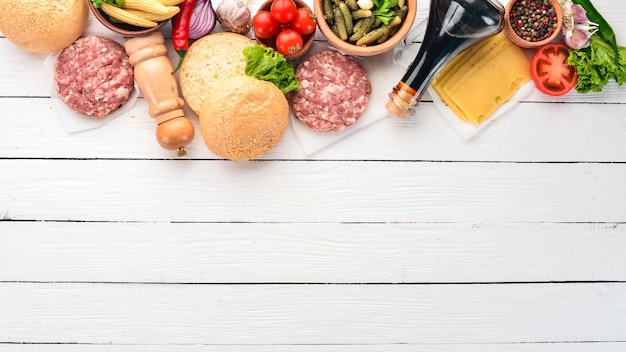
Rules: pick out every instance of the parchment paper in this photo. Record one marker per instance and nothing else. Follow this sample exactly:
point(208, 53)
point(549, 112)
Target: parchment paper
point(71, 119)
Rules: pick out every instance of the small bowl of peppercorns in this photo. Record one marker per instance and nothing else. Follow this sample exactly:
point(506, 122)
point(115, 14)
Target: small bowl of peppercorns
point(532, 23)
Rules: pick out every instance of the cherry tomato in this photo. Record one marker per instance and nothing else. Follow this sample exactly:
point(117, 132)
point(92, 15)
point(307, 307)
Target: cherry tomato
point(288, 42)
point(548, 69)
point(265, 26)
point(304, 22)
point(283, 11)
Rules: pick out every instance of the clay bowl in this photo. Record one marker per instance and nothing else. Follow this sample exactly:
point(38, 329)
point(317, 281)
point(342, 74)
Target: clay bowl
point(122, 28)
point(510, 21)
point(352, 49)
point(307, 40)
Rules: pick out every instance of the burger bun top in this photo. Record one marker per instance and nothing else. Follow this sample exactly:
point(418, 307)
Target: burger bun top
point(43, 26)
point(243, 118)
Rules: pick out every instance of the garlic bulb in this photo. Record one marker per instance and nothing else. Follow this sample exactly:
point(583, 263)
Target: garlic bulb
point(365, 4)
point(234, 16)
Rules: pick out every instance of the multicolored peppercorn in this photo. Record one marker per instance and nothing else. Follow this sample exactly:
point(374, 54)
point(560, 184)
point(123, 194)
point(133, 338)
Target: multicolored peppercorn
point(533, 20)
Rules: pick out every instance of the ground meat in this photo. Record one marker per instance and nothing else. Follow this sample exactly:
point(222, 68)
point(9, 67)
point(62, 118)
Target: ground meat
point(93, 76)
point(334, 90)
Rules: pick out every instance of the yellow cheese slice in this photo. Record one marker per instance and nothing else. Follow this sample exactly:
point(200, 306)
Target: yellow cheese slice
point(479, 96)
point(458, 61)
point(481, 78)
point(467, 62)
point(468, 58)
point(477, 62)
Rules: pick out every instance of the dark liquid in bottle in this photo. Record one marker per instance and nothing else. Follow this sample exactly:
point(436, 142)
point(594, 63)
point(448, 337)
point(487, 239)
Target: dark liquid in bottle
point(453, 25)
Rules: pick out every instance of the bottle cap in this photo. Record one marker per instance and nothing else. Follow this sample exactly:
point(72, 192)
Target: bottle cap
point(399, 111)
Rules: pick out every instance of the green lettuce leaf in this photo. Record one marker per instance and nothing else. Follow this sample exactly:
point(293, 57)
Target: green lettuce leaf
point(597, 64)
point(266, 64)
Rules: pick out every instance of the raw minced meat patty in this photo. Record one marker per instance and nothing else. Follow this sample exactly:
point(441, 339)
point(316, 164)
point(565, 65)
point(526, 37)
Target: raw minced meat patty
point(93, 76)
point(334, 90)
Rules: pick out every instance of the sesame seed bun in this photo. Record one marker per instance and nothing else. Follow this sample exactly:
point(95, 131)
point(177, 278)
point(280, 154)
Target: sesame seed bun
point(243, 118)
point(208, 61)
point(43, 26)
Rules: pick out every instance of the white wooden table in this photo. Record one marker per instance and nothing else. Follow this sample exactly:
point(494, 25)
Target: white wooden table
point(402, 237)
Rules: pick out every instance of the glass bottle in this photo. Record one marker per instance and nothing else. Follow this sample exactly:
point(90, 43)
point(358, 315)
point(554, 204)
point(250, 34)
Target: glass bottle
point(453, 25)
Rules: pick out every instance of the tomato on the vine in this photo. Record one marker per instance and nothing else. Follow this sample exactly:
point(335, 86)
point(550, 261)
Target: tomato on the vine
point(288, 42)
point(304, 22)
point(264, 25)
point(283, 11)
point(550, 72)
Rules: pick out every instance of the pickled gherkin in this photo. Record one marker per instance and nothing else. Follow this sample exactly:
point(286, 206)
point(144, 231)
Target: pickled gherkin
point(364, 27)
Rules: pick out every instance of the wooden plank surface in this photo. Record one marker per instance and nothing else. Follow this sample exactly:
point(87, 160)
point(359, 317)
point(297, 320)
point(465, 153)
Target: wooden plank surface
point(401, 237)
point(587, 346)
point(311, 192)
point(543, 132)
point(311, 314)
point(311, 253)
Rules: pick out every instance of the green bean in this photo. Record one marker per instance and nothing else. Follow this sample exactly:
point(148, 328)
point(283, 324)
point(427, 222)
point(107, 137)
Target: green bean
point(347, 18)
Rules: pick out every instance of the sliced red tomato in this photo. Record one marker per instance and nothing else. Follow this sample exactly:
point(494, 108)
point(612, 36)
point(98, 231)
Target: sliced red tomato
point(548, 69)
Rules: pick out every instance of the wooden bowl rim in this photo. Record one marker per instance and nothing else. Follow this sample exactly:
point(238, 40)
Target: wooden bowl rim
point(508, 28)
point(352, 49)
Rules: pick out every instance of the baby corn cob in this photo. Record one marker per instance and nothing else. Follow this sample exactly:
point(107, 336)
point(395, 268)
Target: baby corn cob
point(126, 17)
point(171, 12)
point(152, 6)
point(170, 2)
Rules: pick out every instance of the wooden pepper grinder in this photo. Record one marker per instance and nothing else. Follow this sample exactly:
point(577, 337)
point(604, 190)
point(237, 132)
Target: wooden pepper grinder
point(153, 74)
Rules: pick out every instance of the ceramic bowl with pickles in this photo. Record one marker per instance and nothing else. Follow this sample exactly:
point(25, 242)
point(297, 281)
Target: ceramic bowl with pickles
point(364, 27)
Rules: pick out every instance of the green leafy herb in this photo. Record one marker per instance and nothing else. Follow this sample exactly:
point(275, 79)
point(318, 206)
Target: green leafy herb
point(597, 64)
point(383, 10)
point(266, 64)
point(97, 3)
